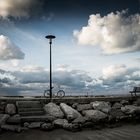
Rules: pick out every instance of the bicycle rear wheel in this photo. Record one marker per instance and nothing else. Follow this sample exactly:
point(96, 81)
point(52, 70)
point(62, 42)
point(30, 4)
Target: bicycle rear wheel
point(46, 93)
point(60, 93)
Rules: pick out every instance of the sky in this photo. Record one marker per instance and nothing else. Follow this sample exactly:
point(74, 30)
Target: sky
point(96, 49)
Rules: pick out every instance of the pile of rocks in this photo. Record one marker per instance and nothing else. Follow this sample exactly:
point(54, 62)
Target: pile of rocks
point(72, 117)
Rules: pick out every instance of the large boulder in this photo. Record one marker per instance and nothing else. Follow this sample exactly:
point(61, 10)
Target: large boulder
point(3, 118)
point(102, 106)
point(53, 110)
point(82, 107)
point(69, 112)
point(94, 115)
point(10, 109)
point(130, 109)
point(60, 122)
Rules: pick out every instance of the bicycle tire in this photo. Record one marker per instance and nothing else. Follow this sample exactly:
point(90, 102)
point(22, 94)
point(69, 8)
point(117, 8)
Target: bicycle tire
point(46, 93)
point(61, 93)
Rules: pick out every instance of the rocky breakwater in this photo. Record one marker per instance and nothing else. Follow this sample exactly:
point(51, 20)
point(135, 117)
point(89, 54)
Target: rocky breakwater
point(72, 117)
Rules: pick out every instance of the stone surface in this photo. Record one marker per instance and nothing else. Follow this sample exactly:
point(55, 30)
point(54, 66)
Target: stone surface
point(53, 110)
point(94, 115)
point(26, 124)
point(117, 105)
point(72, 127)
point(10, 109)
point(130, 109)
point(102, 106)
point(79, 120)
point(116, 114)
point(15, 128)
point(75, 105)
point(3, 118)
point(47, 126)
point(82, 107)
point(69, 112)
point(124, 102)
point(15, 119)
point(60, 122)
point(35, 125)
point(137, 102)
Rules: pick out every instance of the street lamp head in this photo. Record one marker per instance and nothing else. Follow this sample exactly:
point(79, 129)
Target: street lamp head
point(50, 37)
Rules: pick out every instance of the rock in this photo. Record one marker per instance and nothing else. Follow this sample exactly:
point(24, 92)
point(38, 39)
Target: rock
point(124, 102)
point(137, 102)
point(2, 107)
point(53, 110)
point(102, 106)
point(69, 112)
point(15, 128)
point(35, 125)
point(72, 127)
point(14, 119)
point(75, 105)
point(116, 114)
point(60, 122)
point(10, 109)
point(3, 118)
point(82, 107)
point(47, 126)
point(79, 120)
point(130, 109)
point(26, 124)
point(117, 105)
point(94, 115)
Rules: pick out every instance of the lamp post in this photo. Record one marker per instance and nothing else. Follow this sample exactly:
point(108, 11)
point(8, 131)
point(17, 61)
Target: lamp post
point(50, 37)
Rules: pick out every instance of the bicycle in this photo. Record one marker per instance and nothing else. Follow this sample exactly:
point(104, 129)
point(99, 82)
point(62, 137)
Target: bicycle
point(60, 93)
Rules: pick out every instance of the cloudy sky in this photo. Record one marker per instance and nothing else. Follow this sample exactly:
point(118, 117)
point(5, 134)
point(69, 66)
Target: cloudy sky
point(96, 50)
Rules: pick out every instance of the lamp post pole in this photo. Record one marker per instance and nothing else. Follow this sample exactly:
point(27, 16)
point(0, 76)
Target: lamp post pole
point(50, 37)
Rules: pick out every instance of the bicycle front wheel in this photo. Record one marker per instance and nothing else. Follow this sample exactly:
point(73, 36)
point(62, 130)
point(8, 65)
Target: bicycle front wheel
point(61, 93)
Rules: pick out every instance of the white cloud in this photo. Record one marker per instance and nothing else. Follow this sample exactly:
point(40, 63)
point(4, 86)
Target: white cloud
point(115, 32)
point(9, 50)
point(17, 8)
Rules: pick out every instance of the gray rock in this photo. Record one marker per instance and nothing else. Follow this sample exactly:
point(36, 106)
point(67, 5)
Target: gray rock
point(130, 109)
point(94, 115)
point(137, 102)
point(124, 102)
point(3, 118)
point(102, 106)
point(69, 112)
point(26, 124)
point(116, 114)
point(117, 105)
point(82, 107)
point(10, 109)
point(47, 126)
point(72, 127)
point(53, 110)
point(79, 120)
point(14, 119)
point(60, 122)
point(15, 128)
point(75, 105)
point(35, 125)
